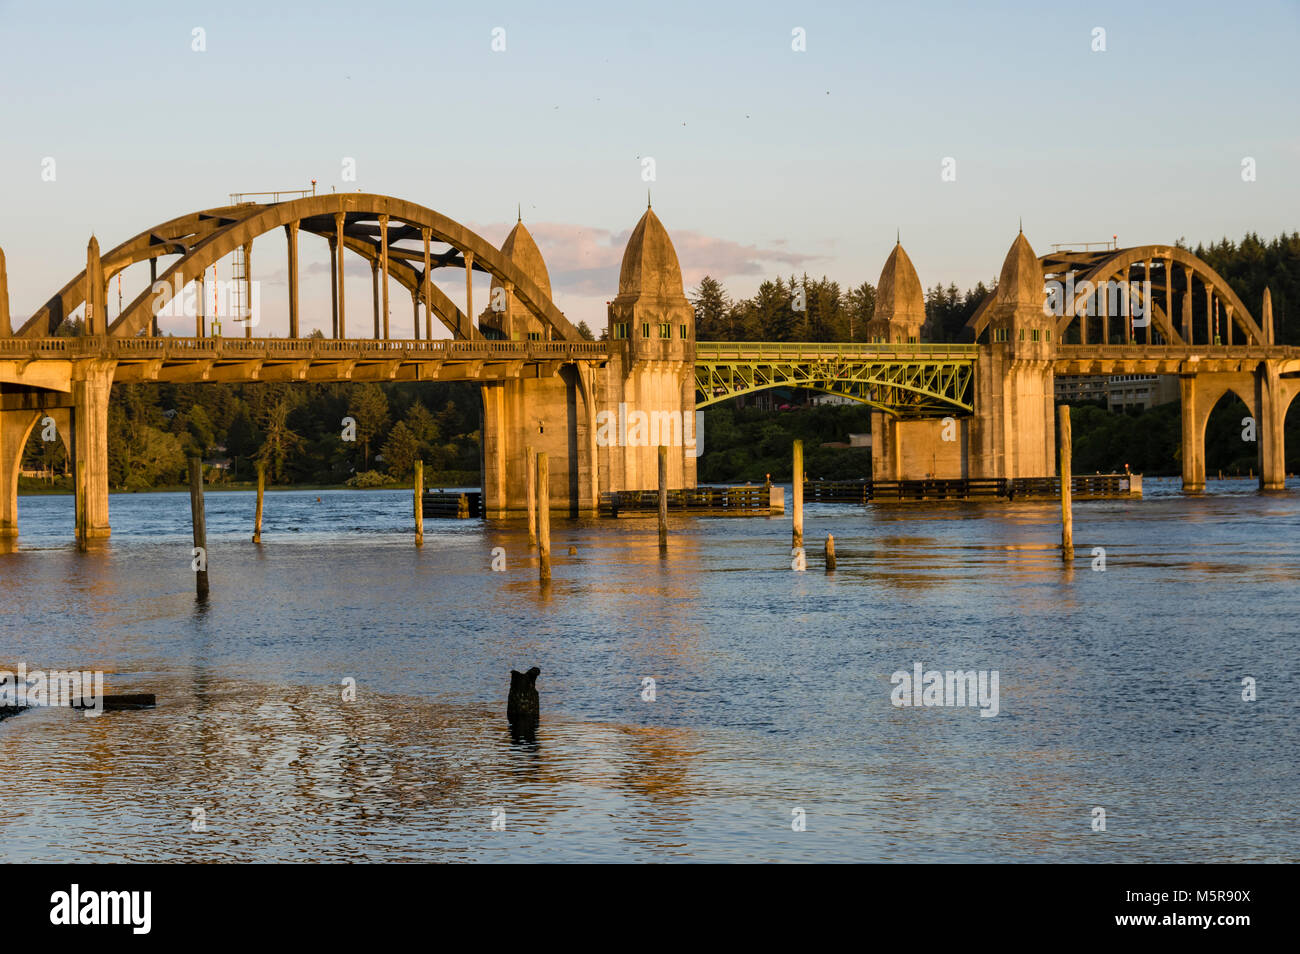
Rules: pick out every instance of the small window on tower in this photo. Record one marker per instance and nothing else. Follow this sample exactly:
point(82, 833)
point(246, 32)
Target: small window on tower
point(645, 329)
point(665, 329)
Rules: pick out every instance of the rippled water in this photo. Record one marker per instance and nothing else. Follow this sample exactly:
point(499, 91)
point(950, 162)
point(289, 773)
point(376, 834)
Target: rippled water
point(1118, 689)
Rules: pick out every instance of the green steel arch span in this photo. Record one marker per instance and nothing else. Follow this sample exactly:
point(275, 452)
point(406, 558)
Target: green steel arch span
point(911, 380)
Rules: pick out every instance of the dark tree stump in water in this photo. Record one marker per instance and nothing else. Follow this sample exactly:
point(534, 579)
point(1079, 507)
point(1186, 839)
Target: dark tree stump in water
point(523, 709)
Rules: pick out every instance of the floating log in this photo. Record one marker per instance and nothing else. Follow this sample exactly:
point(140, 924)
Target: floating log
point(119, 703)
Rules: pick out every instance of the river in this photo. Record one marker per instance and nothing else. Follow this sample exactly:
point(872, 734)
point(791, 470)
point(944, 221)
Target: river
point(771, 712)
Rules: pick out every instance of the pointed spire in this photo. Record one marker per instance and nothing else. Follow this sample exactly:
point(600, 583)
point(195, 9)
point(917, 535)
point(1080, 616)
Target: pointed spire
point(898, 236)
point(647, 198)
point(1022, 225)
point(520, 207)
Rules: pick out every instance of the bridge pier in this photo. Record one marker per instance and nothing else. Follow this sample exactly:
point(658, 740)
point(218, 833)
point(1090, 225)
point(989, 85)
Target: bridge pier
point(1193, 445)
point(91, 383)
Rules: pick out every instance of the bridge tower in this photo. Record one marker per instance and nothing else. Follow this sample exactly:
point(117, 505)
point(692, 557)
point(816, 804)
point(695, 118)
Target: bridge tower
point(599, 427)
point(917, 447)
point(649, 382)
point(547, 413)
point(1013, 433)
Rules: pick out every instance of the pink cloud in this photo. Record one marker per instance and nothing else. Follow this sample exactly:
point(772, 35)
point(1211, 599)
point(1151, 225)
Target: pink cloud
point(585, 261)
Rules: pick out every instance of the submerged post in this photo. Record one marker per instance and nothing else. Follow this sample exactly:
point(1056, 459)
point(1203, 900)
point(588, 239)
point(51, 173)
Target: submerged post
point(663, 498)
point(830, 552)
point(419, 503)
point(797, 511)
point(530, 480)
point(261, 491)
point(1067, 515)
point(543, 518)
point(200, 563)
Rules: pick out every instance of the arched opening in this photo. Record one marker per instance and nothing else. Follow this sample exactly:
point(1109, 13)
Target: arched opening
point(46, 475)
point(1291, 432)
point(1232, 439)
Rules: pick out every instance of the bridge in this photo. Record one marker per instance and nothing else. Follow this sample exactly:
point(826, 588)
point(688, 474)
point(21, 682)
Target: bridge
point(545, 389)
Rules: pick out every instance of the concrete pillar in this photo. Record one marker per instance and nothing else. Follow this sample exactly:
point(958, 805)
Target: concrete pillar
point(469, 290)
point(428, 299)
point(334, 287)
point(1187, 310)
point(1210, 337)
point(91, 383)
point(1270, 428)
point(291, 231)
point(374, 292)
point(383, 265)
point(1193, 448)
point(153, 280)
point(200, 294)
point(1103, 306)
point(342, 331)
point(1265, 314)
point(248, 290)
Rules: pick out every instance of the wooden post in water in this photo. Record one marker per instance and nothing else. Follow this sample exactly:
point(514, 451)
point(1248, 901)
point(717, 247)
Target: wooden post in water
point(419, 503)
point(1067, 513)
point(530, 480)
point(663, 498)
point(797, 511)
point(543, 518)
point(261, 491)
point(830, 553)
point(200, 527)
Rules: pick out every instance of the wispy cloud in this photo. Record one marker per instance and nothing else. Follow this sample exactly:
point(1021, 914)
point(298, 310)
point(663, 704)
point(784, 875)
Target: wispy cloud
point(585, 261)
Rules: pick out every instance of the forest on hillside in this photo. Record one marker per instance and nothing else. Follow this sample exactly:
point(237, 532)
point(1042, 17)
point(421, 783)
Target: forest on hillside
point(297, 431)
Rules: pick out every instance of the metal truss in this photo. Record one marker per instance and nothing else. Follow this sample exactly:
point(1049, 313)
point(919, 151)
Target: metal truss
point(912, 380)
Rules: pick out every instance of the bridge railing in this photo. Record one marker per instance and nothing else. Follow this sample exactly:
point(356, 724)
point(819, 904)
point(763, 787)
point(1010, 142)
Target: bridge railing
point(787, 350)
point(1075, 352)
point(176, 347)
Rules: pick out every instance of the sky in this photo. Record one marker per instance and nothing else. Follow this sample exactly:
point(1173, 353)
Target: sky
point(767, 160)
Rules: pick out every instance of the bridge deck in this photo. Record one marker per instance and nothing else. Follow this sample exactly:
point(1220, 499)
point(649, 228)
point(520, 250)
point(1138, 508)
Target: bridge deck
point(310, 359)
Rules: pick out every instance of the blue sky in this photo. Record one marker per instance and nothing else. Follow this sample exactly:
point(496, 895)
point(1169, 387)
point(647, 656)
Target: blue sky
point(767, 160)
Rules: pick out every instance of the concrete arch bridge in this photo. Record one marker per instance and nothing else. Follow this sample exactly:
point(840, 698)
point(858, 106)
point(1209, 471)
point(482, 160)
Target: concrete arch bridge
point(544, 388)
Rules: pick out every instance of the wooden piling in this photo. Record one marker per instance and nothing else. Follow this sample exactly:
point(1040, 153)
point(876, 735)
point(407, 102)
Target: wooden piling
point(419, 503)
point(797, 511)
point(200, 526)
point(530, 480)
point(1067, 513)
point(261, 492)
point(663, 498)
point(543, 518)
point(830, 552)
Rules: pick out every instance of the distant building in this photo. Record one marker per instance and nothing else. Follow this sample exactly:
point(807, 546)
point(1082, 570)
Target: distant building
point(1119, 392)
